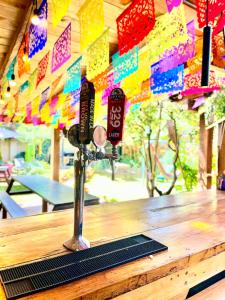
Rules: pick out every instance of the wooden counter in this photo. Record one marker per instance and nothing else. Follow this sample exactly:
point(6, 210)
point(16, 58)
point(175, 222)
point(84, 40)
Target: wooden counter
point(192, 225)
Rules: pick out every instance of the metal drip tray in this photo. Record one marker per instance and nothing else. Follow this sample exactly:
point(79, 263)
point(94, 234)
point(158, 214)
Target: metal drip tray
point(41, 275)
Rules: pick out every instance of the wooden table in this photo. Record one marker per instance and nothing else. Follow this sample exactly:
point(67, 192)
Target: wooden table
point(192, 225)
point(51, 191)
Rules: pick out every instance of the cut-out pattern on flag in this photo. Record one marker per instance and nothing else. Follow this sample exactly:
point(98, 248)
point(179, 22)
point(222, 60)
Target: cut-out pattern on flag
point(130, 87)
point(220, 24)
point(111, 86)
point(24, 86)
point(44, 98)
point(55, 84)
point(11, 69)
point(16, 101)
point(4, 86)
point(36, 120)
point(98, 56)
point(38, 33)
point(144, 95)
point(172, 3)
point(45, 113)
point(91, 17)
point(62, 49)
point(132, 84)
point(216, 7)
point(100, 82)
point(194, 80)
point(23, 66)
point(195, 64)
point(73, 80)
point(97, 108)
point(180, 54)
point(100, 111)
point(192, 84)
point(54, 120)
point(75, 97)
point(35, 106)
point(218, 51)
point(32, 82)
point(10, 109)
point(170, 81)
point(169, 31)
point(134, 24)
point(28, 119)
point(125, 65)
point(59, 10)
point(42, 68)
point(52, 104)
point(135, 107)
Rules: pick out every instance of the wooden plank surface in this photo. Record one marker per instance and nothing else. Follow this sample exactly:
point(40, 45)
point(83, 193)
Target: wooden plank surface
point(52, 191)
point(192, 225)
point(215, 292)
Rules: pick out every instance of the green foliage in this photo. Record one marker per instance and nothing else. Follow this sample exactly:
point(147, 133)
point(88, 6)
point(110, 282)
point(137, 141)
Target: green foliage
point(215, 106)
point(46, 146)
point(190, 176)
point(109, 200)
point(187, 130)
point(129, 160)
point(33, 134)
point(38, 168)
point(30, 152)
point(34, 168)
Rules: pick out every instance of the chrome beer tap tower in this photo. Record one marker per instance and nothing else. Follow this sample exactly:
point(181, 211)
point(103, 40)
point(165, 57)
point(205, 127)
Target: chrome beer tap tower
point(80, 135)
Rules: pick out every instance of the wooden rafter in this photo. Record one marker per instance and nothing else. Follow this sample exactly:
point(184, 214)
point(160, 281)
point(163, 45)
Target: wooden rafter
point(17, 37)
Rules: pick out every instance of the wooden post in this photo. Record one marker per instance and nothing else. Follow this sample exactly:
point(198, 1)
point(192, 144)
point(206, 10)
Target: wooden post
point(205, 155)
point(221, 152)
point(55, 154)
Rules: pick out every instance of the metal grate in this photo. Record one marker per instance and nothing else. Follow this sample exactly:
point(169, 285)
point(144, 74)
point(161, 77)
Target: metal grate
point(37, 276)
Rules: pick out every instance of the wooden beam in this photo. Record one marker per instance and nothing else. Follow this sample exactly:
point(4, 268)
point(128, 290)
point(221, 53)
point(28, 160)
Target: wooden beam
point(55, 154)
point(176, 285)
point(18, 36)
point(205, 157)
point(221, 153)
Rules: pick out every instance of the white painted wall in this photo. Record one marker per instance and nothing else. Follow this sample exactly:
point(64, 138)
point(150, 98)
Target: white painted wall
point(9, 148)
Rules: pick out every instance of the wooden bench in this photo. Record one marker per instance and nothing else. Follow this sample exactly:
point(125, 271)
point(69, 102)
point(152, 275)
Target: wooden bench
point(214, 292)
point(10, 206)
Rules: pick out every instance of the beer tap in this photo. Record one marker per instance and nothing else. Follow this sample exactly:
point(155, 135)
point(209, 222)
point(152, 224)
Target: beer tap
point(80, 136)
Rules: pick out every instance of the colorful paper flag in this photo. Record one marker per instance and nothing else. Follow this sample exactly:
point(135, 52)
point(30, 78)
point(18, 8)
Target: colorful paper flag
point(135, 22)
point(91, 17)
point(73, 80)
point(22, 57)
point(98, 56)
point(62, 49)
point(38, 33)
point(42, 68)
point(125, 65)
point(59, 10)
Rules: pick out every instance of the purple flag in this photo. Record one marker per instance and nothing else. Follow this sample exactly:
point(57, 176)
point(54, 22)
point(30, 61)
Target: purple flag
point(62, 49)
point(175, 56)
point(172, 3)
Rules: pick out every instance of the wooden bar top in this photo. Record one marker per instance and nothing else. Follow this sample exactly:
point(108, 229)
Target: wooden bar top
point(192, 225)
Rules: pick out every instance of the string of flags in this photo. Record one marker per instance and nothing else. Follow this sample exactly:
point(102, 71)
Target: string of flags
point(151, 59)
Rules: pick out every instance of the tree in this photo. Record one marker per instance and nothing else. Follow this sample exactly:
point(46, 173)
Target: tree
point(162, 126)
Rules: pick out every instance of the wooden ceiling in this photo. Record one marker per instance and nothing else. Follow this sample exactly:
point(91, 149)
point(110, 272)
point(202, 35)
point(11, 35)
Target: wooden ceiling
point(15, 14)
